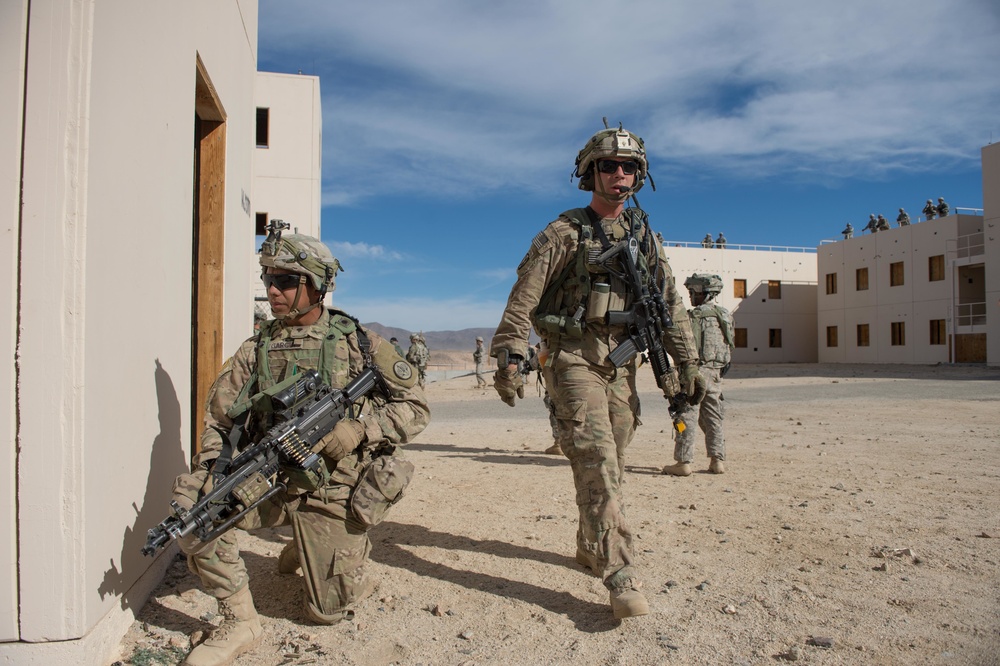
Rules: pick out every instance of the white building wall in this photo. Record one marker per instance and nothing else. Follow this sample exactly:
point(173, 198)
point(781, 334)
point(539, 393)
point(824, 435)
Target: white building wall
point(794, 313)
point(287, 172)
point(105, 295)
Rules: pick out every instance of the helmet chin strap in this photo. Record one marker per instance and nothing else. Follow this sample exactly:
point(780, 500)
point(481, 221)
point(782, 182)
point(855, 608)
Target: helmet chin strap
point(295, 313)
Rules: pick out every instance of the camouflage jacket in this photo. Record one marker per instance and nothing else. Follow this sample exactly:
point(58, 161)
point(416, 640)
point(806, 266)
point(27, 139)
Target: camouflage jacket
point(553, 251)
point(713, 334)
point(418, 354)
point(394, 419)
point(477, 355)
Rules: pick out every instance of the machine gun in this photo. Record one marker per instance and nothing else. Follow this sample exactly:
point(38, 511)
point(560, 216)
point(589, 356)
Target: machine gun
point(644, 322)
point(307, 410)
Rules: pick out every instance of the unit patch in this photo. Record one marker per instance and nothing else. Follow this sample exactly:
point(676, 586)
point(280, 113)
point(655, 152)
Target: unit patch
point(402, 370)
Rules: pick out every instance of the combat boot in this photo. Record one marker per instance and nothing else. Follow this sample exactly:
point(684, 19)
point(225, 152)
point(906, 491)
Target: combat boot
point(588, 561)
point(288, 561)
point(716, 466)
point(554, 450)
point(240, 631)
point(678, 469)
point(628, 601)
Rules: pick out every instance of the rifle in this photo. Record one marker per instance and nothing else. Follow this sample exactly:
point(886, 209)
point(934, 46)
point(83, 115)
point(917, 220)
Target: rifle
point(646, 320)
point(307, 410)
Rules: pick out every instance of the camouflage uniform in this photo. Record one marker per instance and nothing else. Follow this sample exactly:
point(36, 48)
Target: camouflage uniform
point(418, 356)
point(329, 533)
point(942, 208)
point(596, 404)
point(713, 332)
point(902, 219)
point(929, 210)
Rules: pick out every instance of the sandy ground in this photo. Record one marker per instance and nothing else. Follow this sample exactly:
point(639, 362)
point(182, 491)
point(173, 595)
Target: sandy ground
point(858, 522)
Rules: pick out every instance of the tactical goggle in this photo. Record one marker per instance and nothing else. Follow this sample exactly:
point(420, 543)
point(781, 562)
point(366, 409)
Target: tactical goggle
point(628, 167)
point(283, 282)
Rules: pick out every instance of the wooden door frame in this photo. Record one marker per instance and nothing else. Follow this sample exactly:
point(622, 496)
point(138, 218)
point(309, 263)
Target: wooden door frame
point(208, 246)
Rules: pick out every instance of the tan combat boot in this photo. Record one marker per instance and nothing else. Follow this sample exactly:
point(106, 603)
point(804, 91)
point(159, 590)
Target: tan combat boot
point(678, 469)
point(554, 450)
point(240, 631)
point(716, 466)
point(288, 561)
point(628, 601)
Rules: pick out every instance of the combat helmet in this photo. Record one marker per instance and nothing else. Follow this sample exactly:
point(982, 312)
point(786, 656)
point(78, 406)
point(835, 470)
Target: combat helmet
point(707, 283)
point(302, 255)
point(611, 143)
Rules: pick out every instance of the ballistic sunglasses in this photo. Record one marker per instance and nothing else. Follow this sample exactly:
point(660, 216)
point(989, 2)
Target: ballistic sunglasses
point(629, 167)
point(282, 282)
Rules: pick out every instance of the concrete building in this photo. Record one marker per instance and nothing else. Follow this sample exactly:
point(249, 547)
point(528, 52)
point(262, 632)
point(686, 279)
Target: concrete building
point(771, 292)
point(126, 173)
point(924, 293)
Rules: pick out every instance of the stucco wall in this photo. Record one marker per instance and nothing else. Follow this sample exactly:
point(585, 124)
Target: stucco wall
point(106, 266)
point(991, 239)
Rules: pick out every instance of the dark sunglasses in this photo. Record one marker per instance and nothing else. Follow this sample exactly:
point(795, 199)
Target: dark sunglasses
point(282, 282)
point(610, 166)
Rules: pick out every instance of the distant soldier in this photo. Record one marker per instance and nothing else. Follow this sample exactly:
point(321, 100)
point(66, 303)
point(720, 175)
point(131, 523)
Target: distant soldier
point(881, 223)
point(707, 241)
point(713, 334)
point(720, 242)
point(929, 210)
point(418, 355)
point(872, 225)
point(478, 356)
point(903, 219)
point(942, 208)
point(395, 343)
point(848, 231)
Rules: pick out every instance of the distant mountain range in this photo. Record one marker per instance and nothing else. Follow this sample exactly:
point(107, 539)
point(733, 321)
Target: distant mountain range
point(463, 339)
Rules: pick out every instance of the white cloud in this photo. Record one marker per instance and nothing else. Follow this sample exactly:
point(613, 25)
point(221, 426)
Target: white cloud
point(472, 98)
point(342, 250)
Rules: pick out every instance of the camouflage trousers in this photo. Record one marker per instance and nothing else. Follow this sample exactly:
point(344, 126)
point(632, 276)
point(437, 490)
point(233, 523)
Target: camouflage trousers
point(557, 435)
point(332, 544)
point(708, 415)
point(480, 380)
point(597, 411)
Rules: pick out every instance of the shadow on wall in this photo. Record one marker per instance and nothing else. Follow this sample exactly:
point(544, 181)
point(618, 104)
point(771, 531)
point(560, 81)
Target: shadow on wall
point(166, 460)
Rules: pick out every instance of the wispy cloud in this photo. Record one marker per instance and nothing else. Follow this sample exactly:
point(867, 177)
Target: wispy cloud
point(481, 98)
point(343, 250)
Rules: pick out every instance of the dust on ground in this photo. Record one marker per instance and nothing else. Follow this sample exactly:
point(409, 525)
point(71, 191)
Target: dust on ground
point(858, 522)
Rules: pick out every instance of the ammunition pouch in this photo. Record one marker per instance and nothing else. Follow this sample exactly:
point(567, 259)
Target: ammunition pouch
point(562, 325)
point(248, 493)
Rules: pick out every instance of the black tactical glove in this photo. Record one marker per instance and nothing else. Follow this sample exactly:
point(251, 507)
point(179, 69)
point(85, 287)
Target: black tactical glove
point(692, 383)
point(509, 383)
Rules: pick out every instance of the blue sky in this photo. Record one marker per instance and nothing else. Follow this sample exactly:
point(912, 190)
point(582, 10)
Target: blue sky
point(450, 127)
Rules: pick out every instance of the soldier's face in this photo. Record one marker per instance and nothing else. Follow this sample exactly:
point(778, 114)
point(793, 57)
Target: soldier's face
point(283, 301)
point(617, 179)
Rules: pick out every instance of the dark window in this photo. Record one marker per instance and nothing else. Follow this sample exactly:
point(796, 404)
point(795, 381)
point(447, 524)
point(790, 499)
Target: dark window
point(895, 273)
point(935, 268)
point(260, 224)
point(861, 279)
point(263, 120)
point(831, 336)
point(862, 335)
point(774, 337)
point(938, 334)
point(740, 339)
point(831, 283)
point(898, 333)
point(740, 288)
point(774, 290)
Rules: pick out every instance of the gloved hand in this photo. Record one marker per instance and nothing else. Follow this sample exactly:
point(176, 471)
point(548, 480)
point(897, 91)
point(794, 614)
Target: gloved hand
point(508, 382)
point(346, 436)
point(692, 383)
point(188, 488)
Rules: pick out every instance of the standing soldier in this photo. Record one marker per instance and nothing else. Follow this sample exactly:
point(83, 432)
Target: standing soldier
point(881, 223)
point(713, 334)
point(479, 356)
point(942, 208)
point(720, 242)
point(929, 210)
point(565, 291)
point(902, 219)
point(848, 231)
point(706, 242)
point(418, 356)
point(329, 529)
point(872, 225)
